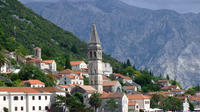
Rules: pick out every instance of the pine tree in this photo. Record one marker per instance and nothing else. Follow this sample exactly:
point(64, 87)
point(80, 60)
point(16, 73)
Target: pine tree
point(67, 62)
point(128, 63)
point(167, 77)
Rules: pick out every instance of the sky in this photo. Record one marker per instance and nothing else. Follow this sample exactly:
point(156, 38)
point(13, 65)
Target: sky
point(181, 6)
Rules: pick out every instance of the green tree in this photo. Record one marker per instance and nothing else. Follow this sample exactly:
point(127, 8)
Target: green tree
point(111, 105)
point(95, 101)
point(154, 101)
point(171, 104)
point(168, 77)
point(191, 106)
point(5, 109)
point(2, 59)
point(29, 71)
point(86, 80)
point(62, 102)
point(74, 49)
point(128, 63)
point(67, 62)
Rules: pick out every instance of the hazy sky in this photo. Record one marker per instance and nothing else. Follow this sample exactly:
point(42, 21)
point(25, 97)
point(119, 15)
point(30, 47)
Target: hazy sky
point(182, 6)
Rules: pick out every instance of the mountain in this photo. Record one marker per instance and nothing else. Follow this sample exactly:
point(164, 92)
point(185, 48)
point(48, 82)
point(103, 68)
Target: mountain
point(163, 41)
point(24, 29)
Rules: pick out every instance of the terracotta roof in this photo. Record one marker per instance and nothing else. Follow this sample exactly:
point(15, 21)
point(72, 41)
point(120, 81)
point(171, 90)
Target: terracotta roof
point(74, 76)
point(177, 90)
point(129, 87)
point(66, 71)
point(76, 62)
point(109, 83)
point(32, 82)
point(78, 72)
point(105, 78)
point(105, 71)
point(111, 95)
point(19, 89)
point(33, 60)
point(195, 98)
point(48, 61)
point(131, 103)
point(89, 89)
point(169, 87)
point(48, 89)
point(161, 81)
point(64, 86)
point(138, 96)
point(122, 76)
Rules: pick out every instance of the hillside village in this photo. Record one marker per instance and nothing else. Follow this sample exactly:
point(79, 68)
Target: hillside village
point(90, 78)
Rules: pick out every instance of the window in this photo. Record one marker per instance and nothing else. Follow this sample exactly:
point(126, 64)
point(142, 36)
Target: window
point(15, 108)
point(40, 108)
point(90, 54)
point(21, 97)
point(15, 97)
point(4, 98)
point(45, 97)
point(33, 97)
point(33, 107)
point(95, 54)
point(39, 97)
point(46, 107)
point(22, 108)
point(146, 102)
point(65, 82)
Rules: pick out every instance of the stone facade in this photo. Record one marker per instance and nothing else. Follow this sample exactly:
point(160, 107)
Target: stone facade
point(95, 61)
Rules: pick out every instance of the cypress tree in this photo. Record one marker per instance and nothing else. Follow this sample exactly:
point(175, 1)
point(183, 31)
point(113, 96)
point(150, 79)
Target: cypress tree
point(67, 62)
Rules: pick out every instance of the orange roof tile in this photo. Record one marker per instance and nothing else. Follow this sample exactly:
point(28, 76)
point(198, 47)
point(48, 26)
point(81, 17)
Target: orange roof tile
point(64, 86)
point(111, 95)
point(89, 89)
point(48, 61)
point(109, 83)
point(66, 71)
point(32, 82)
point(48, 89)
point(129, 87)
point(169, 87)
point(177, 90)
point(33, 60)
point(18, 89)
point(138, 96)
point(74, 76)
point(122, 76)
point(131, 103)
point(105, 78)
point(161, 81)
point(76, 62)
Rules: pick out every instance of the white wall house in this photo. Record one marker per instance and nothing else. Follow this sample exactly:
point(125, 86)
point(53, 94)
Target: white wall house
point(33, 83)
point(26, 99)
point(78, 65)
point(142, 101)
point(106, 69)
point(49, 65)
point(71, 79)
point(5, 68)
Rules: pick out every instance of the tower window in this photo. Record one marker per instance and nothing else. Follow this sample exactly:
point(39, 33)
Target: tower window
point(90, 54)
point(95, 54)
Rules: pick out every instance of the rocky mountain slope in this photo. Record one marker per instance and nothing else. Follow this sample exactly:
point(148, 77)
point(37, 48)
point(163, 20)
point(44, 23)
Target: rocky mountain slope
point(164, 41)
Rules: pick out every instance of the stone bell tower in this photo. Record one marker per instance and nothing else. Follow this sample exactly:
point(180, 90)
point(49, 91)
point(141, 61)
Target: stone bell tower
point(95, 61)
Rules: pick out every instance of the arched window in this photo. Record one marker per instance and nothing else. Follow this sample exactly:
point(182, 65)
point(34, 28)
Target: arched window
point(90, 54)
point(95, 54)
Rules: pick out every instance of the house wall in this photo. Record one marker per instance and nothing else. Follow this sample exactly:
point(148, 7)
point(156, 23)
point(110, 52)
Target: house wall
point(142, 103)
point(107, 67)
point(83, 65)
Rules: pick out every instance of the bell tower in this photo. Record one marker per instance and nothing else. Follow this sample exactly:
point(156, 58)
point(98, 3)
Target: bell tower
point(95, 61)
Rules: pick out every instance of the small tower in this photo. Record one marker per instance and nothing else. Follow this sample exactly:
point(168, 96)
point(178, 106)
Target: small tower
point(37, 53)
point(186, 106)
point(95, 61)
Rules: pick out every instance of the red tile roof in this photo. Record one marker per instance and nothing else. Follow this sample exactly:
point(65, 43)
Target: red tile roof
point(32, 82)
point(178, 90)
point(48, 89)
point(48, 61)
point(89, 89)
point(138, 96)
point(129, 87)
point(169, 87)
point(76, 62)
point(109, 83)
point(66, 71)
point(33, 60)
point(64, 86)
point(111, 95)
point(131, 103)
point(74, 76)
point(19, 89)
point(122, 76)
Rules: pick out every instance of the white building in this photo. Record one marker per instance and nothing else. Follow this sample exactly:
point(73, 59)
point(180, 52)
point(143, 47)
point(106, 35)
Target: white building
point(26, 99)
point(48, 65)
point(106, 69)
point(142, 101)
point(33, 83)
point(71, 79)
point(5, 68)
point(186, 106)
point(78, 65)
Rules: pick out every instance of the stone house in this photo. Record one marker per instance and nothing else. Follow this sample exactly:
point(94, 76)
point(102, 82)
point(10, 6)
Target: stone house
point(170, 87)
point(130, 89)
point(120, 99)
point(163, 83)
point(64, 88)
point(78, 65)
point(105, 78)
point(106, 69)
point(49, 65)
point(142, 101)
point(33, 83)
point(112, 87)
point(133, 107)
point(71, 79)
point(124, 79)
